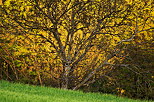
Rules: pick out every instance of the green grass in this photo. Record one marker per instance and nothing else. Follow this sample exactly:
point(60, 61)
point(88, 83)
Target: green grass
point(10, 92)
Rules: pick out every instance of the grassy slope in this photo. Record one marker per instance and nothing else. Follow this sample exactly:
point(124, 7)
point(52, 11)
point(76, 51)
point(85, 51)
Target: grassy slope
point(10, 92)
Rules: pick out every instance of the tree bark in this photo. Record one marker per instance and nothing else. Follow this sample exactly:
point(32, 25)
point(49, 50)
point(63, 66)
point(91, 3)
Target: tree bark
point(65, 80)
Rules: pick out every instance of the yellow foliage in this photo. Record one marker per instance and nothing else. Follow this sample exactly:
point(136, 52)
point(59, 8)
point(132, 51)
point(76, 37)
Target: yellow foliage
point(1, 2)
point(80, 25)
point(120, 90)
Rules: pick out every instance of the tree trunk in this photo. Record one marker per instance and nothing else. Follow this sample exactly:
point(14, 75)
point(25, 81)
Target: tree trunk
point(65, 80)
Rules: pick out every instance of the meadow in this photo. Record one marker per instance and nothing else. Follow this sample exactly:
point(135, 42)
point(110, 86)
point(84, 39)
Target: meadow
point(17, 92)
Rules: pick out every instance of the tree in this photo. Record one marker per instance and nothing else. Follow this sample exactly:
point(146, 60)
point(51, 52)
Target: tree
point(84, 35)
point(135, 80)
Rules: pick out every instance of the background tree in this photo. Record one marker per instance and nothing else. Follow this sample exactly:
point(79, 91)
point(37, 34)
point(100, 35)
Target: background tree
point(134, 80)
